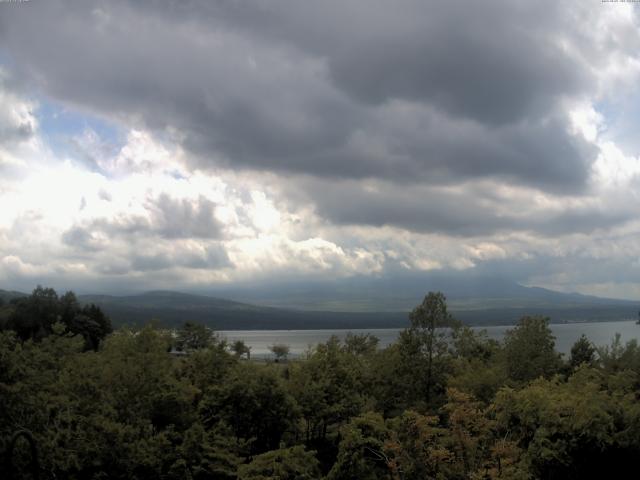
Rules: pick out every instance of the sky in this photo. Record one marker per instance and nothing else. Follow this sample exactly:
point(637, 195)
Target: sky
point(193, 144)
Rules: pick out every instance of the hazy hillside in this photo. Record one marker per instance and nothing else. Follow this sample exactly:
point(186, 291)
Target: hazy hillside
point(174, 308)
point(476, 303)
point(403, 292)
point(7, 295)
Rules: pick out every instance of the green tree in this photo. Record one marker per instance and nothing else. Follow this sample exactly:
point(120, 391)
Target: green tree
point(582, 351)
point(573, 430)
point(240, 348)
point(293, 463)
point(207, 368)
point(205, 455)
point(470, 434)
point(280, 350)
point(478, 367)
point(254, 402)
point(6, 311)
point(424, 347)
point(92, 324)
point(117, 413)
point(617, 357)
point(361, 452)
point(33, 316)
point(361, 344)
point(530, 350)
point(69, 307)
point(471, 345)
point(416, 448)
point(328, 387)
point(387, 380)
point(193, 336)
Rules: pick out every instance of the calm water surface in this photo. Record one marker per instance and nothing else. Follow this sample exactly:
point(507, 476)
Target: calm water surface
point(600, 333)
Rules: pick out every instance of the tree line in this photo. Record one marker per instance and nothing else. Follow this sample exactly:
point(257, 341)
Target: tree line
point(442, 402)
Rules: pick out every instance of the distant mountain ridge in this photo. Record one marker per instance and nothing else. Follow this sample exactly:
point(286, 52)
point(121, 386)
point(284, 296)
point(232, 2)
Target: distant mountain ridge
point(8, 295)
point(174, 308)
point(322, 307)
point(402, 293)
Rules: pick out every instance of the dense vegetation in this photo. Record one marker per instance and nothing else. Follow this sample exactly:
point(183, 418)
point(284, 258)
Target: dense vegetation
point(443, 402)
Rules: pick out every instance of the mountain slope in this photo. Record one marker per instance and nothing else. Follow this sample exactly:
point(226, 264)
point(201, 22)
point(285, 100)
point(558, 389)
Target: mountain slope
point(8, 295)
point(173, 309)
point(355, 303)
point(403, 292)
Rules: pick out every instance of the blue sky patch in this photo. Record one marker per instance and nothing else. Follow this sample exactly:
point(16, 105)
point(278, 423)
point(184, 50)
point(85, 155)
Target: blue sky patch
point(59, 124)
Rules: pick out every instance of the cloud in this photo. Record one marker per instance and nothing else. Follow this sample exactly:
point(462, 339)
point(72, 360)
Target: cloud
point(18, 128)
point(289, 139)
point(210, 258)
point(316, 89)
point(17, 118)
point(81, 238)
point(174, 218)
point(163, 217)
point(473, 209)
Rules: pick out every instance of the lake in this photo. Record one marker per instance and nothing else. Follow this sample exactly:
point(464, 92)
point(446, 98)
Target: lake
point(600, 333)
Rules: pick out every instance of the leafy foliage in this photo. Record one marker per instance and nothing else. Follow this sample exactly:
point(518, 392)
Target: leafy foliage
point(193, 336)
point(444, 402)
point(424, 350)
point(530, 350)
point(280, 350)
point(582, 352)
point(285, 464)
point(240, 348)
point(34, 317)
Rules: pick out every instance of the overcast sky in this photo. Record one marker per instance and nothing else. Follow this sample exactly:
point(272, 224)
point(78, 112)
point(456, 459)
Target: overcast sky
point(195, 143)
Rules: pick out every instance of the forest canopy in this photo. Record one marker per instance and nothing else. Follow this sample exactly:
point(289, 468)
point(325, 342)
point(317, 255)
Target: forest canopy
point(442, 402)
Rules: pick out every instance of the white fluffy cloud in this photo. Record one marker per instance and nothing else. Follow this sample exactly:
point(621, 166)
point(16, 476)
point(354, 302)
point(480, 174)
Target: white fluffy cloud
point(280, 141)
point(144, 215)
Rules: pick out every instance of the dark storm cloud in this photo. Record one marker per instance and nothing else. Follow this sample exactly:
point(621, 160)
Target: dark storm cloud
point(496, 61)
point(183, 218)
point(460, 212)
point(574, 268)
point(15, 133)
point(81, 239)
point(167, 218)
point(424, 211)
point(414, 142)
point(214, 257)
point(16, 118)
point(316, 88)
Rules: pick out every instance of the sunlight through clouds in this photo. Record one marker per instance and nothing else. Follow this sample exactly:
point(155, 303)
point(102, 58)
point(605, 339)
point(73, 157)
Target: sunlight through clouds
point(220, 148)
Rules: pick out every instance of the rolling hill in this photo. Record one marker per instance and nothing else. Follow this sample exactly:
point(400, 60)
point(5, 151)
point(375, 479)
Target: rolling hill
point(350, 305)
point(173, 308)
